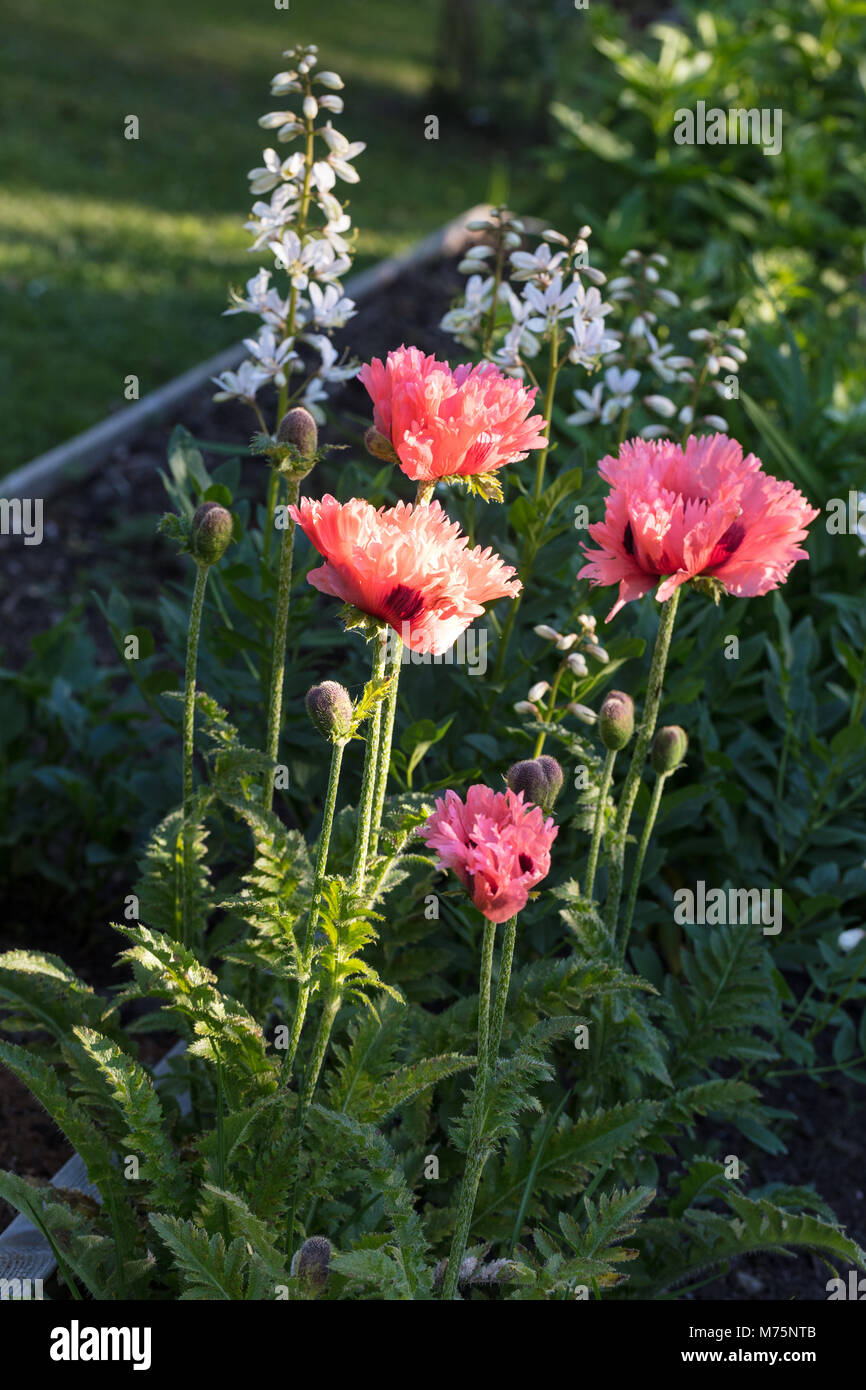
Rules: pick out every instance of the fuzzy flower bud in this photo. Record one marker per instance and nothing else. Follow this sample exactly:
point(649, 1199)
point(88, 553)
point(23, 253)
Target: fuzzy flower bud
point(299, 429)
point(540, 780)
point(380, 446)
point(549, 634)
point(311, 1264)
point(330, 709)
point(211, 533)
point(616, 720)
point(538, 690)
point(669, 747)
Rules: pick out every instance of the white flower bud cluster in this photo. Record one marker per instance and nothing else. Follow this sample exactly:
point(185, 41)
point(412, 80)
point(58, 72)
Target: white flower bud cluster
point(572, 660)
point(304, 226)
point(646, 360)
point(516, 299)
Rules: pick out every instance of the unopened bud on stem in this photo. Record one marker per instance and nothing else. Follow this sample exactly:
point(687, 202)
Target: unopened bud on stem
point(616, 720)
point(669, 748)
point(540, 780)
point(299, 429)
point(380, 446)
point(211, 533)
point(330, 708)
point(311, 1264)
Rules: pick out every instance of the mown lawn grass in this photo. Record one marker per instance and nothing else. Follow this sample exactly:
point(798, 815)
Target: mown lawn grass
point(115, 255)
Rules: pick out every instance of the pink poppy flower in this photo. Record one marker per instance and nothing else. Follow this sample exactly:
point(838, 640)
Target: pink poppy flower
point(497, 846)
point(675, 515)
point(442, 423)
point(408, 566)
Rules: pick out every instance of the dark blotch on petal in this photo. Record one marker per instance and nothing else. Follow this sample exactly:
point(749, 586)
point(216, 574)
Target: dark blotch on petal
point(628, 540)
point(727, 544)
point(526, 864)
point(404, 603)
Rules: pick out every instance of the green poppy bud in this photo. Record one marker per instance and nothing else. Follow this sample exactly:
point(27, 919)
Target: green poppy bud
point(211, 533)
point(540, 780)
point(330, 708)
point(312, 1261)
point(616, 720)
point(669, 748)
point(380, 446)
point(299, 429)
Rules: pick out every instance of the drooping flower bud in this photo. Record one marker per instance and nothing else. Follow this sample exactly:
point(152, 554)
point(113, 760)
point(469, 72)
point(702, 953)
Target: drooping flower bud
point(380, 446)
point(311, 1264)
point(211, 533)
point(330, 708)
point(616, 720)
point(669, 747)
point(299, 429)
point(540, 780)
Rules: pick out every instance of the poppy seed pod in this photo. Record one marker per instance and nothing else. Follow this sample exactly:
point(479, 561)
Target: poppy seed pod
point(313, 1260)
point(211, 533)
point(330, 708)
point(380, 446)
point(616, 720)
point(669, 748)
point(299, 429)
point(540, 780)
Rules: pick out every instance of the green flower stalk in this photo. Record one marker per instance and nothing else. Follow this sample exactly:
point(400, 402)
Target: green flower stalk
point(297, 442)
point(210, 534)
point(636, 767)
point(616, 725)
point(371, 768)
point(502, 986)
point(330, 709)
point(668, 751)
point(392, 672)
point(477, 1154)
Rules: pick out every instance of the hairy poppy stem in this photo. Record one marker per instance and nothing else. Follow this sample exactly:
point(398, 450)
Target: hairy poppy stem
point(477, 1154)
point(189, 747)
point(598, 826)
point(636, 767)
point(278, 658)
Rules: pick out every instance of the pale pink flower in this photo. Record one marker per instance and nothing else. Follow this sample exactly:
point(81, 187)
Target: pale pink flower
point(443, 423)
point(675, 515)
point(408, 566)
point(497, 846)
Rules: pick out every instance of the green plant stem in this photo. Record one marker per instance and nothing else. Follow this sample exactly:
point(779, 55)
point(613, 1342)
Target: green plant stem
point(189, 746)
point(270, 507)
point(320, 1047)
point(650, 821)
point(278, 657)
point(476, 1155)
point(636, 767)
point(315, 903)
point(551, 708)
point(552, 374)
point(598, 824)
point(386, 739)
point(368, 783)
point(502, 984)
